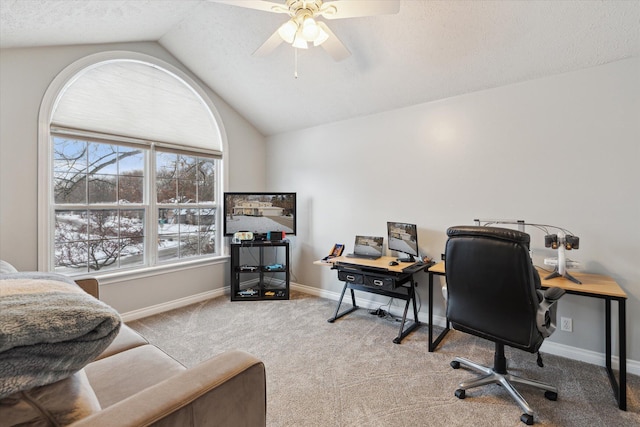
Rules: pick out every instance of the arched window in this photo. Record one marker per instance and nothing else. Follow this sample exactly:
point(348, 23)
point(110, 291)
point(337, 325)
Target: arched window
point(131, 152)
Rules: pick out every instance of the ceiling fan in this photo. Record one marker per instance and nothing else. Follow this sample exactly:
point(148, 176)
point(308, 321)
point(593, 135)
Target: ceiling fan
point(303, 27)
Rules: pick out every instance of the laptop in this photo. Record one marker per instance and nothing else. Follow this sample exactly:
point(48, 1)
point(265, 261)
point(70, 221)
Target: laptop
point(367, 247)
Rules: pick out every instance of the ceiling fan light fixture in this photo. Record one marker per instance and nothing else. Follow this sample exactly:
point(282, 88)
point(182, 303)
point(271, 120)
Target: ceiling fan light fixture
point(310, 29)
point(299, 42)
point(288, 31)
point(321, 38)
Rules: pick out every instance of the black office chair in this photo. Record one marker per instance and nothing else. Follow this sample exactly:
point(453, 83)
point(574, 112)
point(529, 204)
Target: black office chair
point(493, 294)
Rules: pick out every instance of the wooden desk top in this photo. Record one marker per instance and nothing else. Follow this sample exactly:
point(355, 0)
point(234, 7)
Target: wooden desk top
point(382, 262)
point(437, 268)
point(595, 284)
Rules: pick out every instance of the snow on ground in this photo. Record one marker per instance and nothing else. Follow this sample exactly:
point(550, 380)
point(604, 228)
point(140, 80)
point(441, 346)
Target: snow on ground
point(403, 246)
point(256, 224)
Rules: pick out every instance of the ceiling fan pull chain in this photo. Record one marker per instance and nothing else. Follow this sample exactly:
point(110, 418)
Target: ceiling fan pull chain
point(295, 70)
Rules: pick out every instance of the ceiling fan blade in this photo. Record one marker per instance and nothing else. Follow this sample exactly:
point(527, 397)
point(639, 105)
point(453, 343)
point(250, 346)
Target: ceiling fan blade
point(268, 46)
point(333, 45)
point(266, 6)
point(355, 9)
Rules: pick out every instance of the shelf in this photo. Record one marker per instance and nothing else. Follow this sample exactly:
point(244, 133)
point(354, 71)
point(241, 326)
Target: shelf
point(259, 271)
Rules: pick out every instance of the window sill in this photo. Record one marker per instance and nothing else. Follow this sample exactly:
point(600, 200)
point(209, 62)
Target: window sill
point(139, 273)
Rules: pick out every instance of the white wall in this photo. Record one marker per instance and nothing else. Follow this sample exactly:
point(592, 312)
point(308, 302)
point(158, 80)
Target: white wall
point(562, 150)
point(25, 75)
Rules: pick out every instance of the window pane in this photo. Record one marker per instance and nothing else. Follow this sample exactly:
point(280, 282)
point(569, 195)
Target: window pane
point(206, 193)
point(69, 170)
point(71, 257)
point(132, 234)
point(166, 165)
point(167, 190)
point(103, 224)
point(206, 181)
point(103, 254)
point(168, 234)
point(70, 236)
point(187, 191)
point(130, 161)
point(206, 169)
point(168, 251)
point(70, 225)
point(132, 223)
point(70, 189)
point(130, 189)
point(185, 233)
point(132, 252)
point(130, 175)
point(189, 242)
point(187, 167)
point(207, 231)
point(102, 188)
point(69, 155)
point(102, 158)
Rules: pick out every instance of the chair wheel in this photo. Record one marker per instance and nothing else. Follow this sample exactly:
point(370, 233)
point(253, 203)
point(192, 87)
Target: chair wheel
point(455, 364)
point(460, 393)
point(527, 419)
point(551, 395)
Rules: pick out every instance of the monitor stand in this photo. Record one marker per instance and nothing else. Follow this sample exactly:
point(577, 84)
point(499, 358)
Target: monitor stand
point(408, 258)
point(561, 268)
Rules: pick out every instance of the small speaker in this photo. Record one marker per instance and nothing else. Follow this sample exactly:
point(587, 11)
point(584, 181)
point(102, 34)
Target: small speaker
point(275, 236)
point(572, 242)
point(551, 241)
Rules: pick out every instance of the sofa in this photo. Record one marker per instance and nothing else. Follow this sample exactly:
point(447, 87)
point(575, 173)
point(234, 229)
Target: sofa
point(130, 382)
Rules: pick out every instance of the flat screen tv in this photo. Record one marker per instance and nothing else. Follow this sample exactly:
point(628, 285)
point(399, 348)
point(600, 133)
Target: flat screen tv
point(403, 237)
point(259, 213)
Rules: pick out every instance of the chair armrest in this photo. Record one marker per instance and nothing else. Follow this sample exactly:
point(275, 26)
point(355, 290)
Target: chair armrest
point(546, 315)
point(554, 293)
point(226, 390)
point(90, 286)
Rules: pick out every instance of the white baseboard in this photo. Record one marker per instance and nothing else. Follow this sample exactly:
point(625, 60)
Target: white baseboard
point(171, 305)
point(550, 347)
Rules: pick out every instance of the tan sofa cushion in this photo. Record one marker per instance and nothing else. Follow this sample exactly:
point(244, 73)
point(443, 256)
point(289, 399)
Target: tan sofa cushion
point(127, 338)
point(119, 376)
point(56, 404)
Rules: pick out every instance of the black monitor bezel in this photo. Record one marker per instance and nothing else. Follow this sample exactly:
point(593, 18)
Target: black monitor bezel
point(415, 228)
point(259, 194)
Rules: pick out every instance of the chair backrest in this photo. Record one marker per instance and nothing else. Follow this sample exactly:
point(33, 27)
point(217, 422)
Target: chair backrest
point(491, 285)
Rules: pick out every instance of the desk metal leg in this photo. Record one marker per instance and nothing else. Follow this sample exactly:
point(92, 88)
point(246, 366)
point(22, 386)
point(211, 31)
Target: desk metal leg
point(434, 344)
point(619, 388)
point(404, 332)
point(622, 342)
point(347, 311)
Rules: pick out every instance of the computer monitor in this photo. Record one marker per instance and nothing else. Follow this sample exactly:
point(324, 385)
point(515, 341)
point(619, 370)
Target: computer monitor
point(403, 237)
point(260, 213)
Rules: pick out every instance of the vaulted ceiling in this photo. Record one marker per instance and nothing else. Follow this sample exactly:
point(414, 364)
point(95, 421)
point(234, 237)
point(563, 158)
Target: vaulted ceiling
point(430, 50)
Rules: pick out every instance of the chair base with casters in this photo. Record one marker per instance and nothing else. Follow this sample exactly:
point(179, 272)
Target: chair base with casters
point(499, 375)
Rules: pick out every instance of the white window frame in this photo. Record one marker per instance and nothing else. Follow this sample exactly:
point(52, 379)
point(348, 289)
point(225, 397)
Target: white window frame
point(46, 212)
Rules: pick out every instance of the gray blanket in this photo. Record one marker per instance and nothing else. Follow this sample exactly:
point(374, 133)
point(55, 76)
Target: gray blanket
point(49, 329)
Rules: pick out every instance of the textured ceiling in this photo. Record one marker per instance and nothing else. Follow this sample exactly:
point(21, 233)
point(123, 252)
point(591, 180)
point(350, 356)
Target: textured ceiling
point(429, 51)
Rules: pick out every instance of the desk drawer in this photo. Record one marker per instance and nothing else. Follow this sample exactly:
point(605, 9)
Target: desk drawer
point(386, 283)
point(347, 276)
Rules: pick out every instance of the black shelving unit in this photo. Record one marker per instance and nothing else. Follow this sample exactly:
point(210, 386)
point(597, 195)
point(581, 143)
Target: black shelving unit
point(260, 271)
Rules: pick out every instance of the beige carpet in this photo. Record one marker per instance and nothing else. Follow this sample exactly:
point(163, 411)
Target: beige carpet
point(349, 373)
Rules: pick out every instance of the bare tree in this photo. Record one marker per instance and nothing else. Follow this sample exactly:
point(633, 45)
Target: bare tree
point(74, 167)
point(99, 241)
point(90, 174)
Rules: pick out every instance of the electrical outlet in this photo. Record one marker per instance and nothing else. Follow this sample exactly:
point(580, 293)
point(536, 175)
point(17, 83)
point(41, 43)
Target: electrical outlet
point(566, 324)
